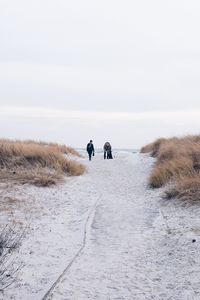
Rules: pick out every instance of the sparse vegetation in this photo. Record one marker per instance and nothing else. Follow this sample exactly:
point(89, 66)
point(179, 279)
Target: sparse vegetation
point(9, 241)
point(61, 148)
point(37, 163)
point(178, 161)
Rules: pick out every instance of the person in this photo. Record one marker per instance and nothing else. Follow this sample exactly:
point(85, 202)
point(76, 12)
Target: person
point(90, 149)
point(107, 151)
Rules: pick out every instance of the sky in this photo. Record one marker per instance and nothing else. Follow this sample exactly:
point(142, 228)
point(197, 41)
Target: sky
point(123, 71)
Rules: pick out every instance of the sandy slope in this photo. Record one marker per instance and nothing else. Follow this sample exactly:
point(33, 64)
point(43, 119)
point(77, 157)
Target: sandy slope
point(112, 236)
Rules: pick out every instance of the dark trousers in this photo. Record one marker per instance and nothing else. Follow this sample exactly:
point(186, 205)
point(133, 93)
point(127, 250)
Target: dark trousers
point(90, 155)
point(108, 154)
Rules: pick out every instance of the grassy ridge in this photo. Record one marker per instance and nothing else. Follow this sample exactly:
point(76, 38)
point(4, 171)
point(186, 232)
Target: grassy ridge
point(38, 163)
point(178, 161)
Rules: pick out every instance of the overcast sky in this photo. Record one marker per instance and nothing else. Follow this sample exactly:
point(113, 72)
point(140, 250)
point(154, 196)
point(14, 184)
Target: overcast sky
point(125, 71)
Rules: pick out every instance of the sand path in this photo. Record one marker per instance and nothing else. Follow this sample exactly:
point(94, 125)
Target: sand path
point(120, 241)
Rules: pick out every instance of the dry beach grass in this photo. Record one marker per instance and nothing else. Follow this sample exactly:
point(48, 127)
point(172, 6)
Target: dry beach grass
point(178, 161)
point(37, 163)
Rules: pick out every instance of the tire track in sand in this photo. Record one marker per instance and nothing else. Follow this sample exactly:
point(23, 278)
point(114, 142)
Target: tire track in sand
point(87, 227)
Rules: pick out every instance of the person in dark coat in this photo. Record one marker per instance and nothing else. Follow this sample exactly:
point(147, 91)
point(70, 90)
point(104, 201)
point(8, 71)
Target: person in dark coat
point(107, 151)
point(90, 149)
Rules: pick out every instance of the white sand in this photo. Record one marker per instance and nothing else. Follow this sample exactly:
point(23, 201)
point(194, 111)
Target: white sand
point(112, 236)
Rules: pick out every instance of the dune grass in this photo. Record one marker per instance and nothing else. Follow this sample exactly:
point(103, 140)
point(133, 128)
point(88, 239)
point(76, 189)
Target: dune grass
point(177, 162)
point(37, 163)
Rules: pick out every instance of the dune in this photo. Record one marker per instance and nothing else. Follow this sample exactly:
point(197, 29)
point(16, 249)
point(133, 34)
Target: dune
point(177, 167)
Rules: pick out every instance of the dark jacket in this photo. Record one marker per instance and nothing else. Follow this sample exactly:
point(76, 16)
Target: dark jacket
point(107, 147)
point(90, 148)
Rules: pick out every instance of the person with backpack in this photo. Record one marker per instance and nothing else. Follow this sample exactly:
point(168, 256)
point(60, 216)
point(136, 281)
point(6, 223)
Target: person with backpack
point(107, 151)
point(90, 149)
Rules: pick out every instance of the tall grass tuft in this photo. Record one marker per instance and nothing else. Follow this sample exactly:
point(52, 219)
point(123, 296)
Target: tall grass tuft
point(178, 162)
point(38, 163)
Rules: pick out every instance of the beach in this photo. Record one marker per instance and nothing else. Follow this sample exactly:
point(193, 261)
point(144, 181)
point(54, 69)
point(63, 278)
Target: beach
point(103, 235)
